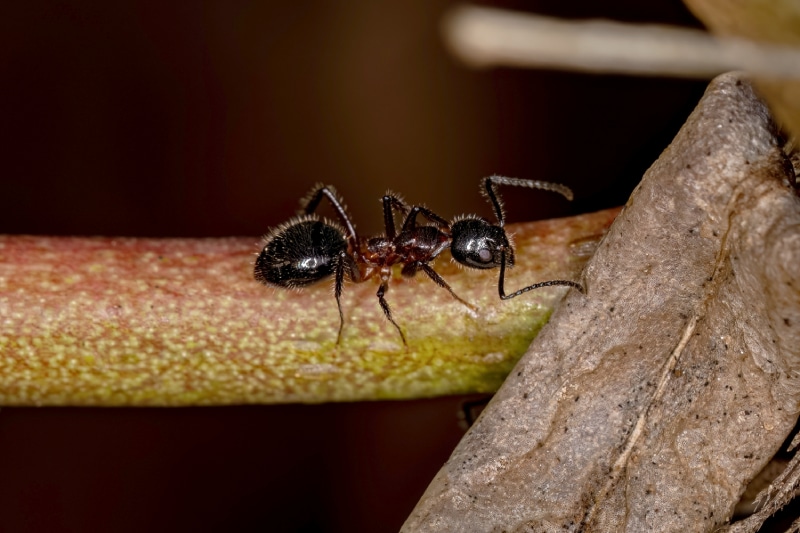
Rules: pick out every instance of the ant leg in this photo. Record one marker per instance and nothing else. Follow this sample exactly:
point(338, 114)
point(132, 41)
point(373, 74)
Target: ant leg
point(337, 292)
point(411, 219)
point(471, 410)
point(312, 200)
point(501, 282)
point(387, 311)
point(442, 283)
point(409, 270)
point(392, 201)
point(497, 204)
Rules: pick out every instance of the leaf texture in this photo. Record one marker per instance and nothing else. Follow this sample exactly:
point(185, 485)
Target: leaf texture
point(649, 403)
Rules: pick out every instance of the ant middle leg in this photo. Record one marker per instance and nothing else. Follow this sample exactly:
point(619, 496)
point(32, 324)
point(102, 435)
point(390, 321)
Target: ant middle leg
point(394, 202)
point(410, 222)
point(387, 310)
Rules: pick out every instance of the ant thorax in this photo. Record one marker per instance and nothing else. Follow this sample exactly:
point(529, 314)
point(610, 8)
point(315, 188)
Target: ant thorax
point(422, 244)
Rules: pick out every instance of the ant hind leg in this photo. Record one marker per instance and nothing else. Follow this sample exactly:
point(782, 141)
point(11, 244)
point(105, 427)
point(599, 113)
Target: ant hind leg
point(337, 292)
point(313, 199)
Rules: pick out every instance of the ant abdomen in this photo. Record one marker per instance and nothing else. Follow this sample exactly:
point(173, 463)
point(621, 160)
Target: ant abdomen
point(299, 253)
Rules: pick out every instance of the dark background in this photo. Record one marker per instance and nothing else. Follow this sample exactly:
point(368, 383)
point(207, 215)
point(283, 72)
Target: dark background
point(202, 119)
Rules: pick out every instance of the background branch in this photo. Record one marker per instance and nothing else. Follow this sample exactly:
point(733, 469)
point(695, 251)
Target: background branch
point(494, 37)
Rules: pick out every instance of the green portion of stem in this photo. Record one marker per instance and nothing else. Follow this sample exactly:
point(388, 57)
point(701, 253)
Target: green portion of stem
point(104, 321)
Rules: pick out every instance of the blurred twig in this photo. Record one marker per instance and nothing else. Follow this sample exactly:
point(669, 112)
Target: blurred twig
point(493, 37)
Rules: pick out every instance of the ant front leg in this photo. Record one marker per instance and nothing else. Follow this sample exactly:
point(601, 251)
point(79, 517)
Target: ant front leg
point(501, 289)
point(442, 283)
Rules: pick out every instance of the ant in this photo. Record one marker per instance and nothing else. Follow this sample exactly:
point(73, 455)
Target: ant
point(308, 249)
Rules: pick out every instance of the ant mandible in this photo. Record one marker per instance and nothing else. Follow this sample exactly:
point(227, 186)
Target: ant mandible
point(308, 249)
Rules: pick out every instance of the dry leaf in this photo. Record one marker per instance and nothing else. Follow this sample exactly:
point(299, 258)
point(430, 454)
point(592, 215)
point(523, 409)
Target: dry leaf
point(649, 403)
point(780, 492)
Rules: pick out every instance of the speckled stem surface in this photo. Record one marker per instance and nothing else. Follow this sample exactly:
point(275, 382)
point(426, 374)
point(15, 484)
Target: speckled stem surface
point(124, 321)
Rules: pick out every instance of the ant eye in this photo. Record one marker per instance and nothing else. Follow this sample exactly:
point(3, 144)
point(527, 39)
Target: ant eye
point(485, 255)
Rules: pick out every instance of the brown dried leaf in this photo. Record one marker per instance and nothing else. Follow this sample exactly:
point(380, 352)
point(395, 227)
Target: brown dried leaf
point(780, 492)
point(649, 403)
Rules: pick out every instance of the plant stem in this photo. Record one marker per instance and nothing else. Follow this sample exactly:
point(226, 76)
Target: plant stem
point(127, 321)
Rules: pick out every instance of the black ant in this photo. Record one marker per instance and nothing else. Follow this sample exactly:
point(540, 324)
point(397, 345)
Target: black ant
point(308, 249)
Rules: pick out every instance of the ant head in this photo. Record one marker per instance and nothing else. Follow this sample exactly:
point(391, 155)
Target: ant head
point(477, 243)
point(300, 252)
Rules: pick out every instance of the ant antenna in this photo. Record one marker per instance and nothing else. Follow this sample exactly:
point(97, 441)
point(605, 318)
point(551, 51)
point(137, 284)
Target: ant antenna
point(490, 183)
point(501, 289)
point(497, 204)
